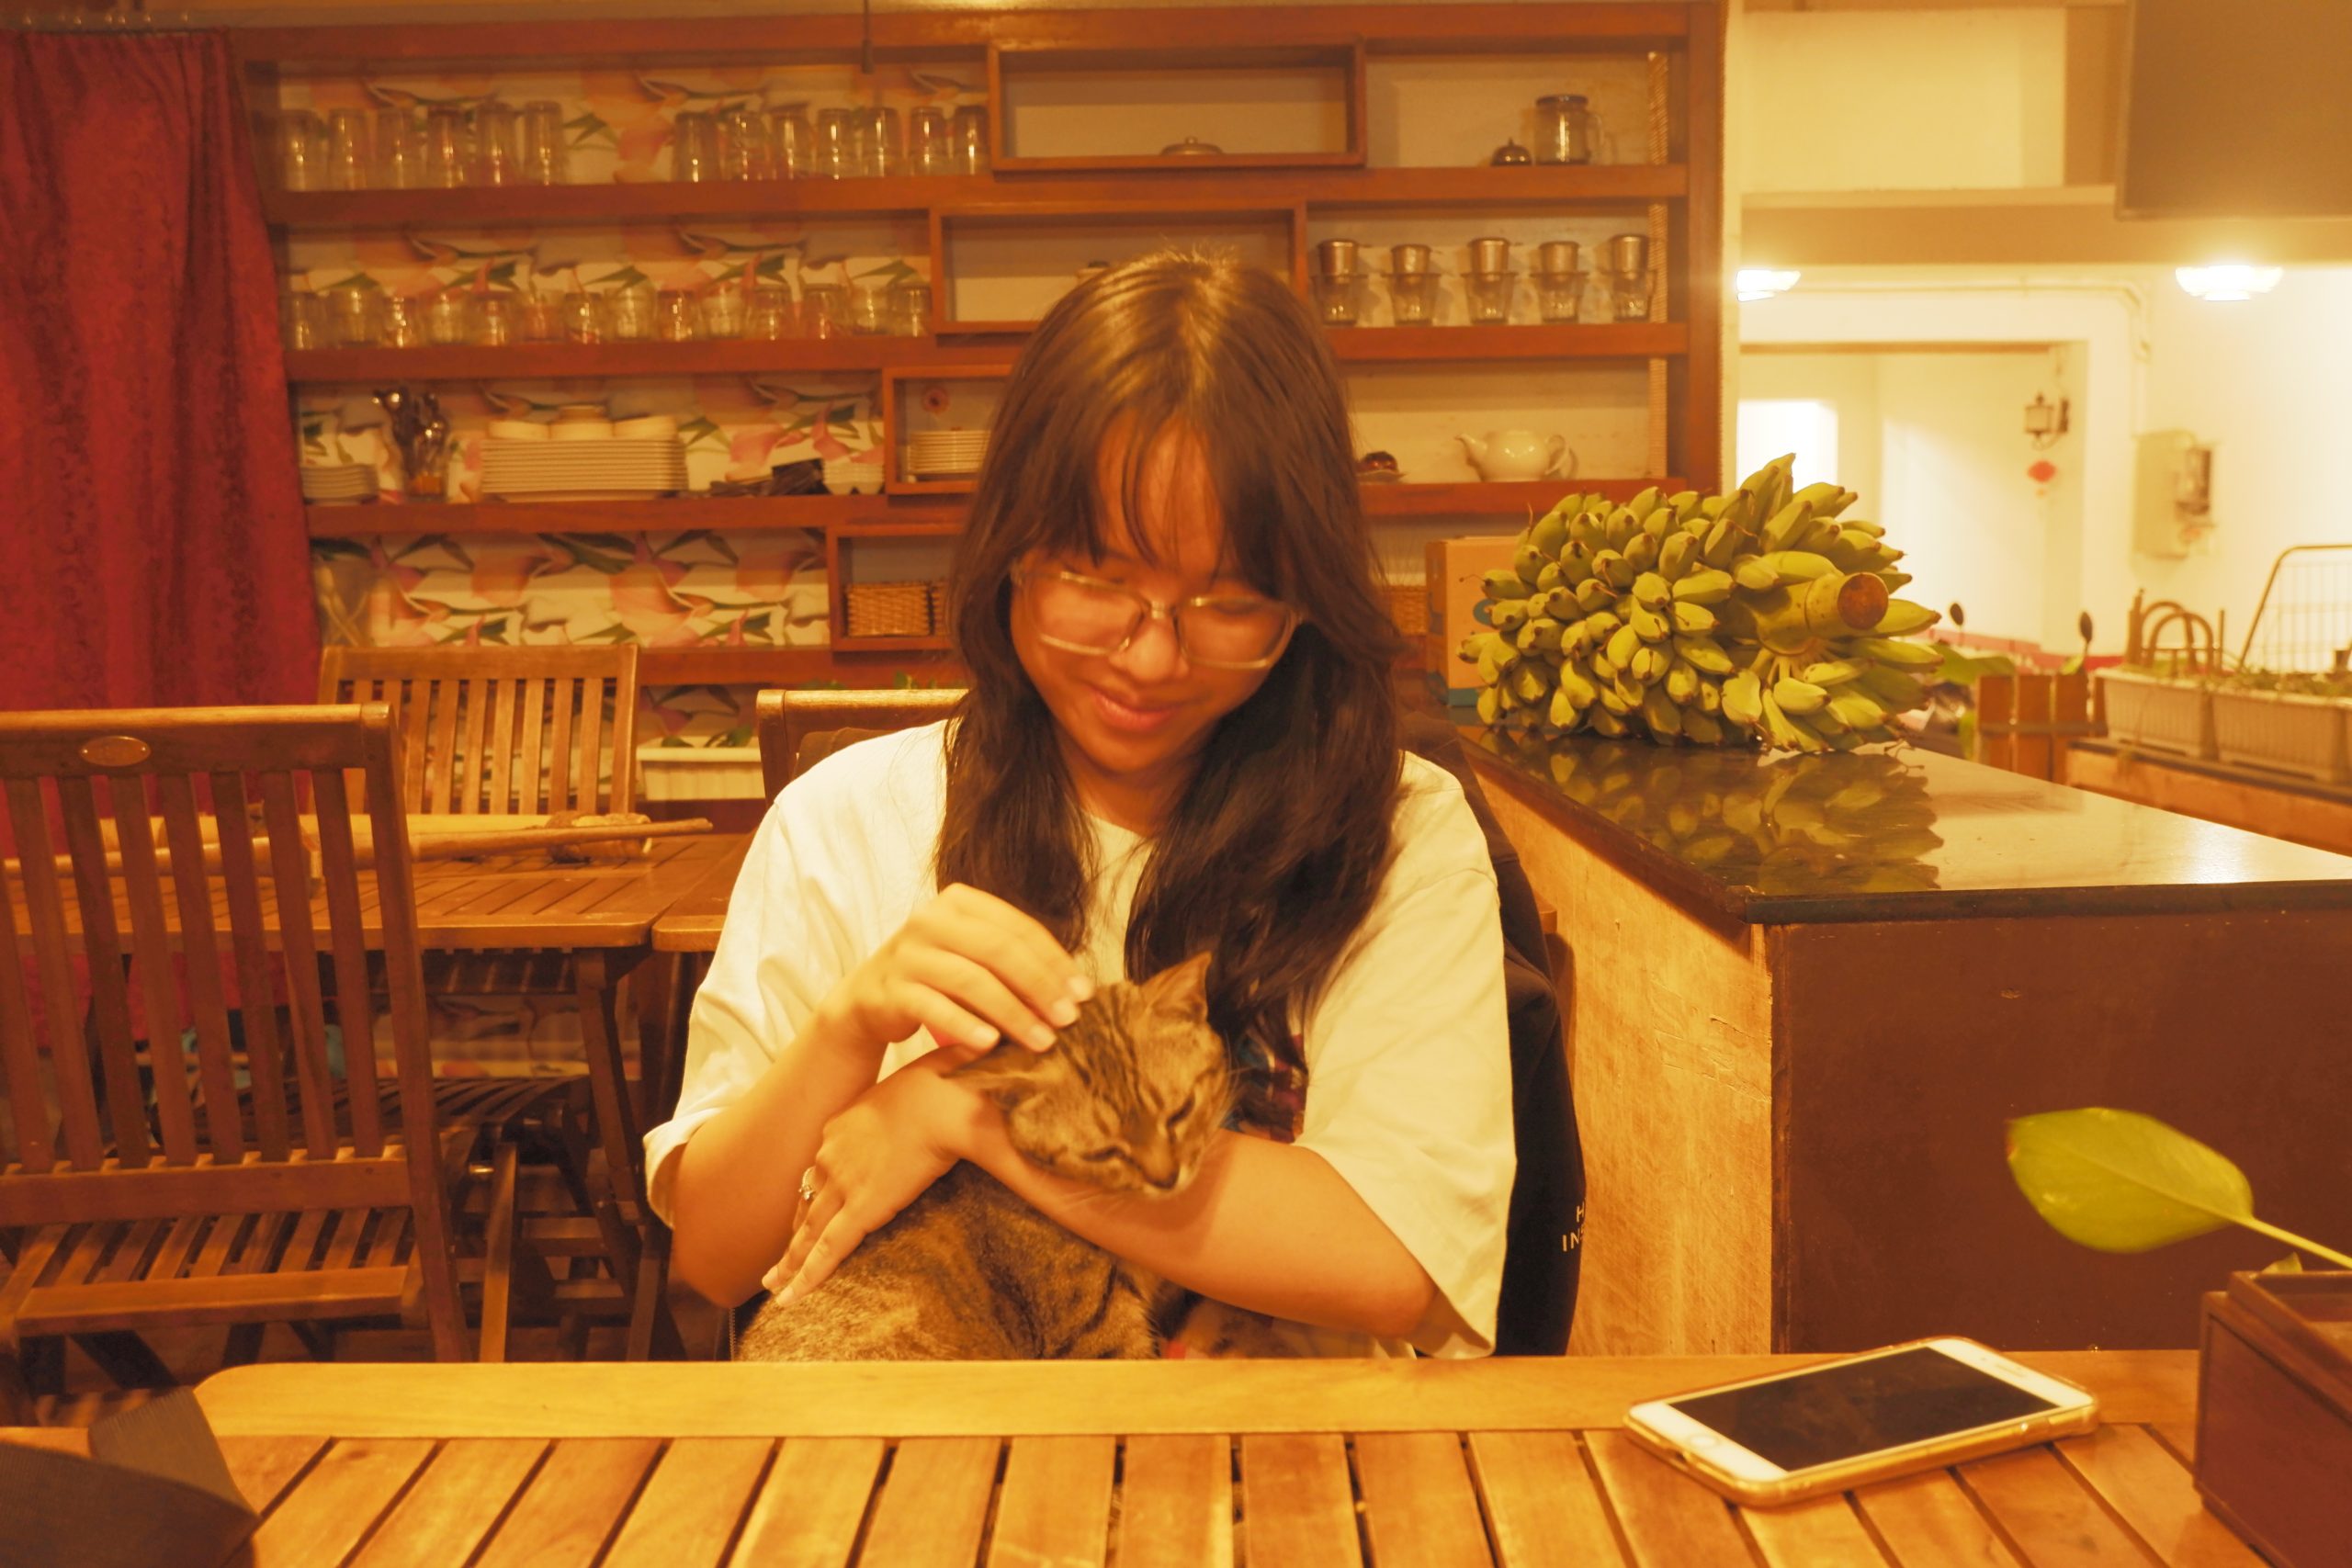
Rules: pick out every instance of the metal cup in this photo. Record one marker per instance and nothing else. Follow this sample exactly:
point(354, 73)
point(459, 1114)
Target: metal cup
point(1629, 255)
point(1556, 256)
point(1407, 260)
point(1490, 254)
point(1335, 258)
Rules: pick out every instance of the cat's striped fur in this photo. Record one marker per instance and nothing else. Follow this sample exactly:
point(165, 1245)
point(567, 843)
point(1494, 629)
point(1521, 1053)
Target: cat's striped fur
point(1129, 1099)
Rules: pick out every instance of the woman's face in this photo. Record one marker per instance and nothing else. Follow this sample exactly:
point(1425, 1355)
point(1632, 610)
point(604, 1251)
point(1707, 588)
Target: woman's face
point(1132, 723)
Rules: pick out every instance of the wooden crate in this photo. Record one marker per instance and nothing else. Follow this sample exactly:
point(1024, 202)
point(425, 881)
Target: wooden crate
point(2274, 1413)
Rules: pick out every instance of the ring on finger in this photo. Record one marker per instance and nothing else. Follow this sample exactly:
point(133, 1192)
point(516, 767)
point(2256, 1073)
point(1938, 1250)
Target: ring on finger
point(808, 1185)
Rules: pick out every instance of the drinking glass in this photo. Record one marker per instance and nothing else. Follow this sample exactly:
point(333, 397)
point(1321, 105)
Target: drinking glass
point(349, 167)
point(1559, 295)
point(796, 142)
point(722, 312)
point(928, 150)
point(746, 150)
point(305, 320)
point(301, 151)
point(351, 317)
point(538, 320)
point(1335, 296)
point(769, 314)
point(693, 146)
point(398, 159)
point(404, 321)
point(1489, 294)
point(673, 316)
point(444, 149)
point(583, 316)
point(496, 162)
point(1629, 295)
point(825, 309)
point(631, 310)
point(836, 152)
point(495, 320)
point(909, 307)
point(1412, 298)
point(885, 151)
point(544, 154)
point(968, 135)
point(869, 309)
point(447, 320)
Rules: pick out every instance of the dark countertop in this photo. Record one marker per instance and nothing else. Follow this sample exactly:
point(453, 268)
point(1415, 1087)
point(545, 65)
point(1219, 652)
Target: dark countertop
point(1892, 832)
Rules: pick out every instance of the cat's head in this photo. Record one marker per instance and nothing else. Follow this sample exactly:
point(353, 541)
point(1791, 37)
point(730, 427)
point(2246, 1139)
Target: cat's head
point(1130, 1094)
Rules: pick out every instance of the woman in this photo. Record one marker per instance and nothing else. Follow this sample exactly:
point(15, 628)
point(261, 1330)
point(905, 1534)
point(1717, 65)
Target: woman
point(1179, 737)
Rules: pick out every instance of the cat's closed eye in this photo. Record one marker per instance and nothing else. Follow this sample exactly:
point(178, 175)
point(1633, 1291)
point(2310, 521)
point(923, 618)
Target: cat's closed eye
point(1099, 1156)
point(1178, 1115)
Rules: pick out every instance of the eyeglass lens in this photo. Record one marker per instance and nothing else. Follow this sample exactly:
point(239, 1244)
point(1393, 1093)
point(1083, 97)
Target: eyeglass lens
point(1101, 617)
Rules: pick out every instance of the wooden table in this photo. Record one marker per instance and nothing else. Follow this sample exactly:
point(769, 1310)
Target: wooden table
point(1401, 1464)
point(688, 932)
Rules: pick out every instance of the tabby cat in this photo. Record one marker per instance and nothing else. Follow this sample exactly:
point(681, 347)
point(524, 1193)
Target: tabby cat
point(1129, 1099)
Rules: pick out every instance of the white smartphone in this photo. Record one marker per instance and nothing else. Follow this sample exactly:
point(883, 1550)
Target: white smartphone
point(1859, 1418)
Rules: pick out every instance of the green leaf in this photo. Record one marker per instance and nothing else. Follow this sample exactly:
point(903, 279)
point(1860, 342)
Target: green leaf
point(2122, 1182)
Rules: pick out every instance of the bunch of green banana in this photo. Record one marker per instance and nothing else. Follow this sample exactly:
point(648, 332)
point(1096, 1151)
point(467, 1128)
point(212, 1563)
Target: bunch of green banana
point(1716, 620)
point(1792, 824)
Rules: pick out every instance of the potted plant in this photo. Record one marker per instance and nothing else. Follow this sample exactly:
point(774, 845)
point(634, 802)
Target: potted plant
point(2161, 709)
point(2295, 723)
point(2273, 1407)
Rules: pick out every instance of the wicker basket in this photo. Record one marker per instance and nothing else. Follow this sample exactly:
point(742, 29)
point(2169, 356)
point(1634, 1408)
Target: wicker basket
point(889, 609)
point(940, 618)
point(1408, 607)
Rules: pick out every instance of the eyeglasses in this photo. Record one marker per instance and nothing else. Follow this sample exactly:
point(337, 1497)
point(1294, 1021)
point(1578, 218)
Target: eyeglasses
point(1085, 615)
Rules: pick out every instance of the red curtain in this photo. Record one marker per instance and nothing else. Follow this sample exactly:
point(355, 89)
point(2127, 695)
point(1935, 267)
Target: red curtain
point(152, 542)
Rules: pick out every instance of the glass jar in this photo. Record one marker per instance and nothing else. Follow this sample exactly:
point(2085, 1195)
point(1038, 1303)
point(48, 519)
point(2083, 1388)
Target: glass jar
point(1489, 296)
point(583, 316)
point(1562, 129)
point(967, 137)
point(1412, 298)
point(539, 320)
point(835, 154)
point(447, 156)
point(722, 312)
point(351, 317)
point(495, 320)
point(825, 309)
point(885, 151)
point(870, 308)
point(301, 151)
point(909, 309)
point(1559, 296)
point(351, 165)
point(447, 320)
point(769, 314)
point(399, 157)
point(674, 316)
point(404, 322)
point(544, 152)
point(746, 150)
point(304, 317)
point(495, 160)
point(693, 146)
point(630, 313)
point(795, 142)
point(928, 150)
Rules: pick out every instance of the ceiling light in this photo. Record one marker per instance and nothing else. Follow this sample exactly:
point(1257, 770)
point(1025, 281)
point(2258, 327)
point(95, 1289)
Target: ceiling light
point(2235, 280)
point(1762, 283)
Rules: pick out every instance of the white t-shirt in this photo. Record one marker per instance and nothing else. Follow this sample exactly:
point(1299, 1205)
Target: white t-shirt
point(1408, 1057)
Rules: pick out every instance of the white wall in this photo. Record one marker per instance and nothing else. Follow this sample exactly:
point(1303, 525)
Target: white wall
point(1906, 100)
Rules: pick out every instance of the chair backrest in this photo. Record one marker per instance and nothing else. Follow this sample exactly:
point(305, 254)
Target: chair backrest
point(199, 882)
point(521, 731)
point(787, 719)
point(1544, 1244)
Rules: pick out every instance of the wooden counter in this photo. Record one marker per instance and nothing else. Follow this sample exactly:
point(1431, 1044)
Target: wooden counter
point(2257, 799)
point(1805, 994)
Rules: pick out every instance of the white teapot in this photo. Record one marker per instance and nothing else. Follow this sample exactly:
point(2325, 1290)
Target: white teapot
point(1516, 455)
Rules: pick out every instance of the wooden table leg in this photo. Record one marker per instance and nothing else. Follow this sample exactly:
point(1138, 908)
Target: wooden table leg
point(643, 1274)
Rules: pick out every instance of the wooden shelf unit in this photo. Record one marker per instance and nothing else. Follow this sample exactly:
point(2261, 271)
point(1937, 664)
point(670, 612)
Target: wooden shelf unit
point(1676, 192)
point(1008, 62)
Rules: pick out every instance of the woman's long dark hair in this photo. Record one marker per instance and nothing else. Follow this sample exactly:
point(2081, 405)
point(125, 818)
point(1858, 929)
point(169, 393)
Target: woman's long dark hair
point(1273, 855)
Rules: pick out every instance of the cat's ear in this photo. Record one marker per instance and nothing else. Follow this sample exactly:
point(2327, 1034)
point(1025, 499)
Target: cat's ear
point(1007, 1075)
point(1182, 990)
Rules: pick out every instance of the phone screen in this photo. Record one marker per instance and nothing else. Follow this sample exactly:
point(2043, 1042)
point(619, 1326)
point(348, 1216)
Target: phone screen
point(1859, 1407)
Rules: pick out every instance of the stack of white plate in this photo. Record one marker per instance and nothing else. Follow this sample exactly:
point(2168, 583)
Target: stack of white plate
point(853, 479)
point(333, 483)
point(609, 469)
point(946, 454)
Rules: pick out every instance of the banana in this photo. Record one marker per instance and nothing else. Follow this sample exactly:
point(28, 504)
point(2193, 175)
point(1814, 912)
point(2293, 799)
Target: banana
point(1624, 643)
point(1703, 728)
point(1660, 523)
point(1898, 691)
point(1577, 686)
point(1751, 573)
point(1649, 624)
point(1530, 680)
point(1612, 703)
point(1605, 668)
point(1675, 556)
point(1824, 497)
point(1604, 625)
point(1490, 704)
point(1903, 618)
point(1550, 533)
point(1643, 504)
point(1641, 553)
point(1707, 587)
point(1743, 696)
point(1613, 568)
point(1506, 615)
point(1710, 695)
point(1660, 714)
point(1595, 595)
point(1859, 710)
point(1723, 543)
point(1541, 632)
point(1797, 566)
point(1574, 567)
point(1797, 697)
point(1704, 653)
point(1548, 578)
point(1818, 536)
point(1528, 563)
point(1777, 728)
point(1563, 712)
point(1834, 671)
point(1685, 503)
point(1649, 665)
point(1652, 590)
point(1902, 655)
point(1692, 618)
point(1682, 682)
point(1502, 584)
point(1893, 579)
point(1561, 604)
point(1590, 530)
point(1825, 720)
point(1788, 525)
point(1605, 722)
point(1622, 526)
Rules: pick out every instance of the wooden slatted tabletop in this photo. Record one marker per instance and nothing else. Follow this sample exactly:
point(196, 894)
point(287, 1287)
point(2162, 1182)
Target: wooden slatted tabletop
point(1272, 1464)
point(691, 923)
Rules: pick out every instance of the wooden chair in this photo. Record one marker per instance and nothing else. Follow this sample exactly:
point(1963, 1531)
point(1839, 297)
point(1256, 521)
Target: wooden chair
point(786, 721)
point(229, 1161)
point(517, 730)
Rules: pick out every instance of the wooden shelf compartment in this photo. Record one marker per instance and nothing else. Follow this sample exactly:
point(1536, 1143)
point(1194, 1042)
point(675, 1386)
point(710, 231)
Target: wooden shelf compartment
point(572, 361)
point(735, 514)
point(1598, 340)
point(897, 481)
point(1020, 78)
point(1196, 182)
point(1023, 256)
point(1497, 498)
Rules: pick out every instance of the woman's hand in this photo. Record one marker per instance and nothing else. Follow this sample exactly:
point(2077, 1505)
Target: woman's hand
point(969, 967)
point(876, 1157)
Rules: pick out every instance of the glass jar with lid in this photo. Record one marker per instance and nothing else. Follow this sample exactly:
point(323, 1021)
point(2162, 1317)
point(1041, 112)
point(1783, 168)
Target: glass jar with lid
point(1564, 128)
